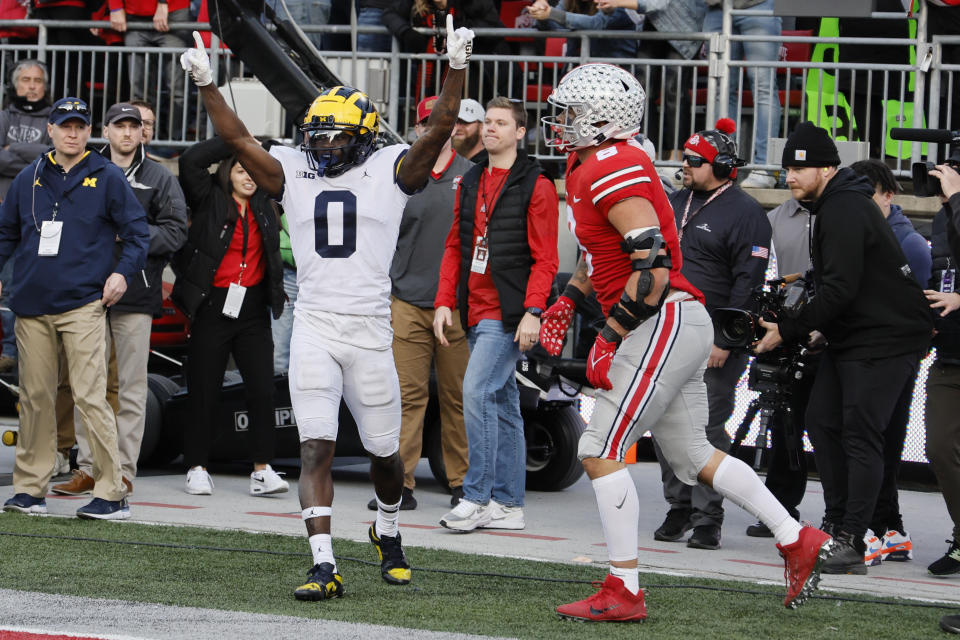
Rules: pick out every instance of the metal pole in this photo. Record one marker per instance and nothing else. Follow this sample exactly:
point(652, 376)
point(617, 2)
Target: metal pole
point(920, 77)
point(726, 29)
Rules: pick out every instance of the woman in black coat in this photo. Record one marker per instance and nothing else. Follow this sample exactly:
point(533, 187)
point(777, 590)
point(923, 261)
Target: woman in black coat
point(229, 279)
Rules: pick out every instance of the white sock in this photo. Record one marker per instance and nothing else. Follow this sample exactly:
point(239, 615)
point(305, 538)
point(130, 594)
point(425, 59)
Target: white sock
point(387, 517)
point(321, 544)
point(735, 480)
point(619, 513)
point(630, 577)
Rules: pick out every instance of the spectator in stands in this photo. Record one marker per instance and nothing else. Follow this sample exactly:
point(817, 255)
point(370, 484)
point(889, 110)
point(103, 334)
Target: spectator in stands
point(70, 80)
point(161, 14)
point(370, 14)
point(583, 15)
point(943, 381)
point(668, 16)
point(763, 81)
point(313, 13)
point(227, 284)
point(498, 267)
point(403, 16)
point(130, 320)
point(466, 133)
point(61, 221)
point(23, 137)
point(414, 273)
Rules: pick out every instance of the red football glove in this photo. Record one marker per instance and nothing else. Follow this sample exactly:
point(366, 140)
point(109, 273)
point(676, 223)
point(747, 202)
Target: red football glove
point(599, 361)
point(554, 323)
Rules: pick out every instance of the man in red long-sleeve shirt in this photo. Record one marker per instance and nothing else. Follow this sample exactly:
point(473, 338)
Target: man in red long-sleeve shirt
point(498, 268)
point(163, 14)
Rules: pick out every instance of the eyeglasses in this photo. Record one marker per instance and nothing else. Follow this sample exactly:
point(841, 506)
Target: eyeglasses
point(71, 107)
point(695, 161)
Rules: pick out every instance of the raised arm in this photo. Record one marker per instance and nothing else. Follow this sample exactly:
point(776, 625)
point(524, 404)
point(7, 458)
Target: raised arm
point(419, 161)
point(265, 170)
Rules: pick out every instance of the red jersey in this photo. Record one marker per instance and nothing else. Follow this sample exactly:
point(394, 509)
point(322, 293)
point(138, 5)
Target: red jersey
point(611, 175)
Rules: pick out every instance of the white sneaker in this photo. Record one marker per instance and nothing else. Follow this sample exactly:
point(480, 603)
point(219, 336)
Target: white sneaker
point(61, 465)
point(759, 179)
point(199, 482)
point(873, 553)
point(503, 517)
point(466, 516)
point(266, 482)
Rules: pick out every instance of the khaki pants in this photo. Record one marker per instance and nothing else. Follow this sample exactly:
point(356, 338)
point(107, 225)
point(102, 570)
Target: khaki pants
point(415, 349)
point(128, 343)
point(39, 338)
point(66, 420)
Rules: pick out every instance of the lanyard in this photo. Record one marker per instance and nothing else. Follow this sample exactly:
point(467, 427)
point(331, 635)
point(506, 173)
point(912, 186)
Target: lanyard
point(243, 251)
point(687, 216)
point(483, 197)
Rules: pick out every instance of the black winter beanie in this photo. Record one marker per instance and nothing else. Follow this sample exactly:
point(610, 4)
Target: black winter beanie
point(810, 146)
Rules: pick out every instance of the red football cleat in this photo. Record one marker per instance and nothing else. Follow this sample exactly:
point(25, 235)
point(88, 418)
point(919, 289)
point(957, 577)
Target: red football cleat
point(802, 562)
point(611, 603)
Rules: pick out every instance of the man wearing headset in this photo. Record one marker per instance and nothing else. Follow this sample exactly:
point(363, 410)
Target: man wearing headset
point(725, 242)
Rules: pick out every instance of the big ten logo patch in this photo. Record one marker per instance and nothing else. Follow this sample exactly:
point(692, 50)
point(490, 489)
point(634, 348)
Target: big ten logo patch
point(283, 418)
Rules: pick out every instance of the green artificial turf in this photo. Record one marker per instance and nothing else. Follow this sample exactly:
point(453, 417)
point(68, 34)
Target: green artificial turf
point(444, 600)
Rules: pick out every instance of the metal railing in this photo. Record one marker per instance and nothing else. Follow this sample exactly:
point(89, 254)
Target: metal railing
point(854, 100)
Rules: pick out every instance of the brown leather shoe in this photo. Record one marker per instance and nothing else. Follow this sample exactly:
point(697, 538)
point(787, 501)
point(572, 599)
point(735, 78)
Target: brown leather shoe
point(129, 486)
point(80, 484)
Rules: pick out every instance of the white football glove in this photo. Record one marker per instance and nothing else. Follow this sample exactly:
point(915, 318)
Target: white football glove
point(459, 45)
point(197, 62)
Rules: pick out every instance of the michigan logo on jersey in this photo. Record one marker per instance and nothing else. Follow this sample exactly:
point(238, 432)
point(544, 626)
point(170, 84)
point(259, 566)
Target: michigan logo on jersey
point(339, 130)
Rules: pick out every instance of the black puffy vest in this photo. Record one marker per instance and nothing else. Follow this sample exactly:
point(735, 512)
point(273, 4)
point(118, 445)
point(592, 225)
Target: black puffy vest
point(509, 260)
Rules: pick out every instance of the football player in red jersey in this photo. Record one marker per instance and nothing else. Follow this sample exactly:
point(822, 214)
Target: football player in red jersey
point(648, 361)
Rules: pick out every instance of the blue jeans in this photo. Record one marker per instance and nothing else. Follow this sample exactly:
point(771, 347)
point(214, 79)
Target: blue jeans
point(308, 13)
point(491, 413)
point(372, 17)
point(762, 79)
point(282, 327)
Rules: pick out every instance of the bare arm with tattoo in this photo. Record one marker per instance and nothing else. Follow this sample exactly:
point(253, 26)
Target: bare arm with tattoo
point(555, 321)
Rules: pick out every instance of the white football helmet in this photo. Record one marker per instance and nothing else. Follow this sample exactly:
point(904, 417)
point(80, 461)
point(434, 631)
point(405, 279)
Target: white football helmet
point(594, 102)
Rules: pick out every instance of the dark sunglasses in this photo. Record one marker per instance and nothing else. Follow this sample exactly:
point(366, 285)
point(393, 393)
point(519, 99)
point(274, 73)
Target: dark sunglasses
point(695, 161)
point(73, 107)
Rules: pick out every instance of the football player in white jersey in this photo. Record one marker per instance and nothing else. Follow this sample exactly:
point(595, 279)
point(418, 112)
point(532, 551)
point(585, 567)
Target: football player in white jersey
point(343, 202)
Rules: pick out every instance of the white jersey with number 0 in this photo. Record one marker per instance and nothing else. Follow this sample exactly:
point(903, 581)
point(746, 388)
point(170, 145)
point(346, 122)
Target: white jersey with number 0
point(343, 231)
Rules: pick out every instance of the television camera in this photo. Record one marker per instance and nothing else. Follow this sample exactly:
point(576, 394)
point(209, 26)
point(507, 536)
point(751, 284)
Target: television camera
point(924, 184)
point(772, 374)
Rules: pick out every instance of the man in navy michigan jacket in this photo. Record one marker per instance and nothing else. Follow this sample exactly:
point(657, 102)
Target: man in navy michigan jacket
point(60, 222)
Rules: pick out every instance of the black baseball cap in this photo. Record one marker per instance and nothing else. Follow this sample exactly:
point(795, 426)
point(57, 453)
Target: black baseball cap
point(123, 111)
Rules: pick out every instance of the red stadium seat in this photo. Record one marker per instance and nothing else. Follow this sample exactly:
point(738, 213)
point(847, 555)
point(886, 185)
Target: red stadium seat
point(510, 11)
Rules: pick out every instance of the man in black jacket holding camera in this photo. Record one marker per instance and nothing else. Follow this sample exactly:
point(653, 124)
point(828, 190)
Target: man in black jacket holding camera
point(874, 317)
point(943, 382)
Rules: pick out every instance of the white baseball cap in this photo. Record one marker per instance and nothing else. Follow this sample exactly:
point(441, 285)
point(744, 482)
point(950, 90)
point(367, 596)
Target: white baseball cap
point(470, 111)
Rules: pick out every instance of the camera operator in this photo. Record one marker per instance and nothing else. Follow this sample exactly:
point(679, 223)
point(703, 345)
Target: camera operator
point(943, 381)
point(725, 242)
point(873, 315)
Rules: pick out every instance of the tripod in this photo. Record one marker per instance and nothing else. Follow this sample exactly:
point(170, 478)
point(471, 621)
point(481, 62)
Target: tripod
point(773, 405)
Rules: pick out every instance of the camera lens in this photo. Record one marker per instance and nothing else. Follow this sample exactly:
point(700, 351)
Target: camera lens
point(737, 330)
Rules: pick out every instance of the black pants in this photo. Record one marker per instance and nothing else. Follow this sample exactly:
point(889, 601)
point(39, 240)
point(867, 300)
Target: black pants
point(213, 338)
point(850, 409)
point(785, 483)
point(886, 515)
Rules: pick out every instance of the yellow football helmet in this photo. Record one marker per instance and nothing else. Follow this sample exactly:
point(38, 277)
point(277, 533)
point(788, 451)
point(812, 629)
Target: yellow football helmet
point(339, 130)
